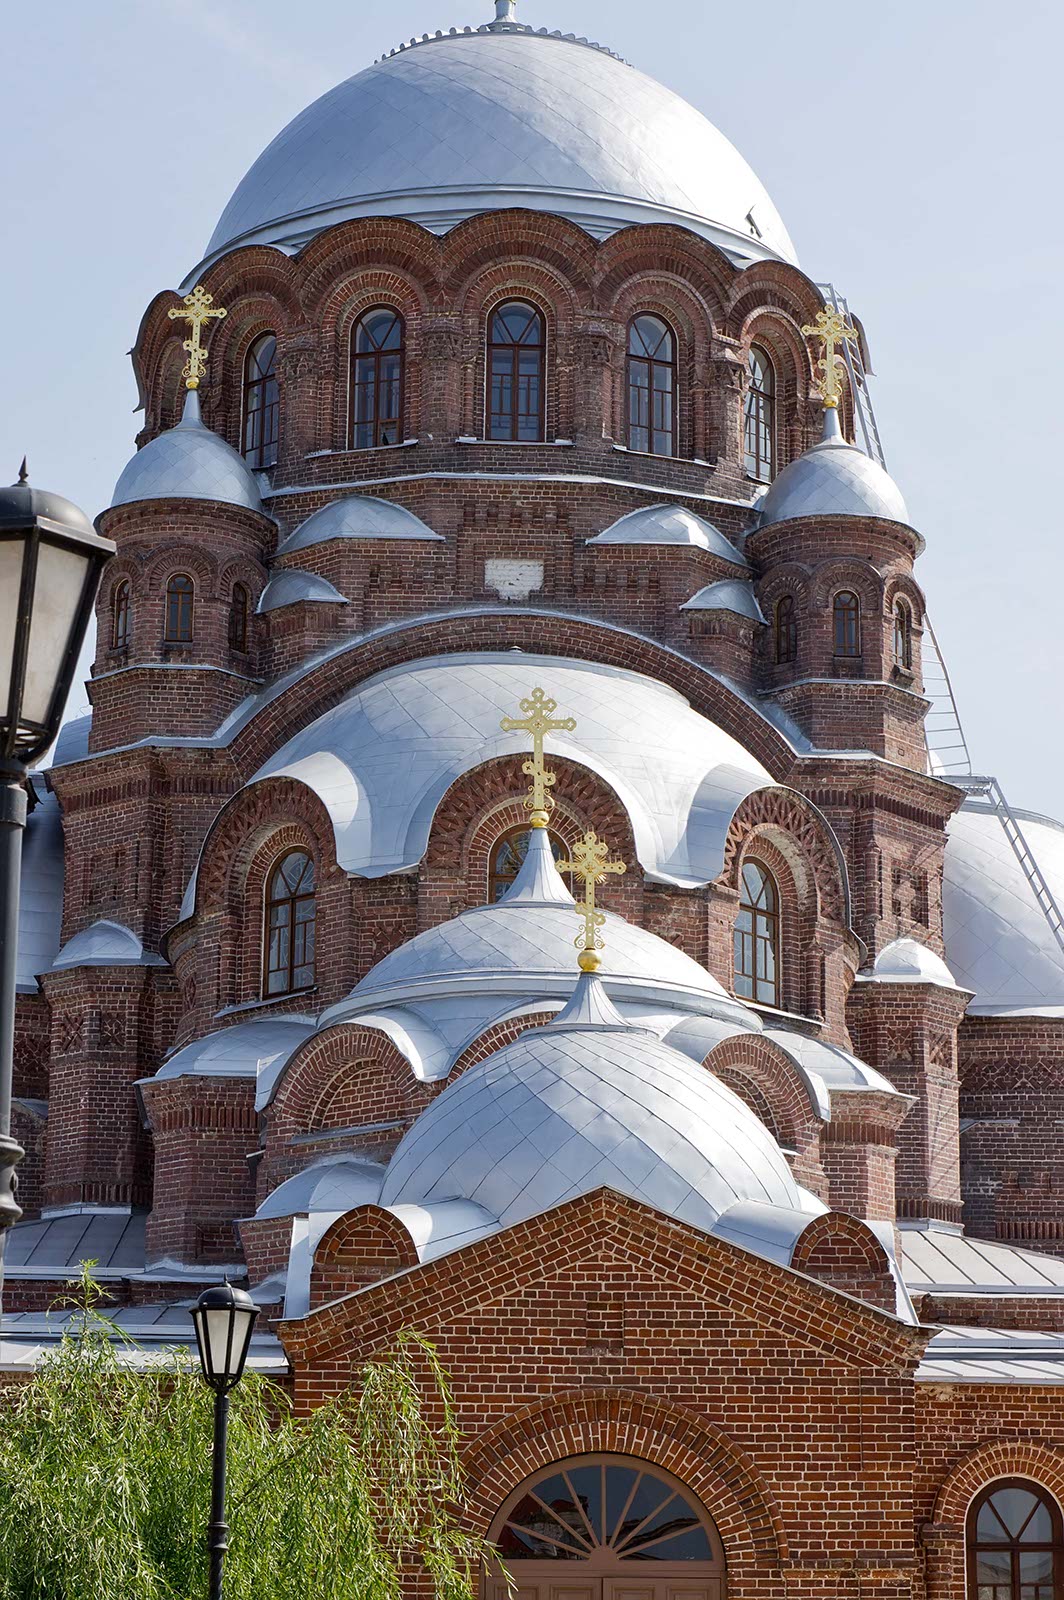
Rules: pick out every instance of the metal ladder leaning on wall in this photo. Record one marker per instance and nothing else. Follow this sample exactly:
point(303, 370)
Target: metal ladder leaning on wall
point(947, 748)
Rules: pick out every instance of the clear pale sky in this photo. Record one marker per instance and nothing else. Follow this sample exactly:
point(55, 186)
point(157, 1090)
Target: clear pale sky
point(913, 147)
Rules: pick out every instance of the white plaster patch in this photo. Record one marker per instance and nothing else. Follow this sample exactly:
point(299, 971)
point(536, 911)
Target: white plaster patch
point(513, 580)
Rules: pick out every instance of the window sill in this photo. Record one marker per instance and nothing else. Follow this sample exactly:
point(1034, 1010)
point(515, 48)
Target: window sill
point(657, 455)
point(258, 1005)
point(518, 444)
point(359, 450)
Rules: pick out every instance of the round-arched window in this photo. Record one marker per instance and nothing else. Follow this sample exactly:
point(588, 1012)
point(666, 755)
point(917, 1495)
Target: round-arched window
point(651, 386)
point(759, 417)
point(757, 937)
point(378, 360)
point(288, 946)
point(516, 356)
point(607, 1512)
point(1015, 1543)
point(507, 856)
point(177, 621)
point(903, 636)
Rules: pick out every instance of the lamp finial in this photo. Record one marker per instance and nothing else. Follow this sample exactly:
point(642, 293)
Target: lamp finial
point(832, 329)
point(23, 472)
point(537, 720)
point(197, 308)
point(590, 862)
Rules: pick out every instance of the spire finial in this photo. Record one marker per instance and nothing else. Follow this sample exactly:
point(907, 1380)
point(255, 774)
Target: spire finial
point(832, 329)
point(196, 309)
point(538, 712)
point(23, 472)
point(590, 861)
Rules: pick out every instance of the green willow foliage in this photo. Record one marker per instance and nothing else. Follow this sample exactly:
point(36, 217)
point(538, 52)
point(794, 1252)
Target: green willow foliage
point(105, 1481)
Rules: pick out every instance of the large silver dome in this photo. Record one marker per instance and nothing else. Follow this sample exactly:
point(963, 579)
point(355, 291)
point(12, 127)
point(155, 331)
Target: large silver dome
point(496, 117)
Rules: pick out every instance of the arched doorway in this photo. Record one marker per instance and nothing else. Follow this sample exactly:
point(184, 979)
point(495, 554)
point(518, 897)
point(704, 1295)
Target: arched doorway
point(606, 1527)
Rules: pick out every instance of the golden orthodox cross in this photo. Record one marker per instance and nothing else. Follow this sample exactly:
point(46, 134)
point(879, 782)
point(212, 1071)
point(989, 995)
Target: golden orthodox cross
point(197, 309)
point(538, 720)
point(590, 861)
point(832, 329)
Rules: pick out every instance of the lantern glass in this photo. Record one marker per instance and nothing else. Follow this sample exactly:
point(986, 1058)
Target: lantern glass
point(11, 558)
point(62, 571)
point(224, 1319)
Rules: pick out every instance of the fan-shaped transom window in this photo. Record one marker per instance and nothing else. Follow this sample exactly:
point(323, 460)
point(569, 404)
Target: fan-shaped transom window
point(507, 857)
point(262, 405)
point(378, 356)
point(516, 352)
point(651, 387)
point(288, 963)
point(1015, 1544)
point(607, 1511)
point(759, 432)
point(757, 936)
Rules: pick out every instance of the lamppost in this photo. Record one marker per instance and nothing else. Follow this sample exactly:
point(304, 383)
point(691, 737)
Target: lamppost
point(224, 1319)
point(50, 562)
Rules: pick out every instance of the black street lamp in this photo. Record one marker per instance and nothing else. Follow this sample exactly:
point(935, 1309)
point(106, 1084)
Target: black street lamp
point(50, 562)
point(224, 1320)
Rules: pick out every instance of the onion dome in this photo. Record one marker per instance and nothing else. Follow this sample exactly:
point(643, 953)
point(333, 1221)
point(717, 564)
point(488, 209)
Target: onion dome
point(499, 116)
point(587, 1102)
point(189, 462)
point(358, 516)
point(672, 525)
point(833, 479)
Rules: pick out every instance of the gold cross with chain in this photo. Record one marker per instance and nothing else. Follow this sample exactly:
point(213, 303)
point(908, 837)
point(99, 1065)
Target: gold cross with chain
point(197, 309)
point(538, 720)
point(590, 861)
point(832, 329)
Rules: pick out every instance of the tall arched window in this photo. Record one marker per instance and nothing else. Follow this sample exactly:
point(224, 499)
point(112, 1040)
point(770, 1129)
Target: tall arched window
point(757, 937)
point(239, 606)
point(651, 386)
point(262, 405)
point(288, 959)
point(903, 636)
point(1015, 1543)
point(516, 355)
point(760, 417)
point(121, 616)
point(786, 629)
point(846, 624)
point(378, 356)
point(508, 854)
point(177, 628)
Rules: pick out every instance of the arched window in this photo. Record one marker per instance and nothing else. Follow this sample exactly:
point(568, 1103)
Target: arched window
point(508, 854)
point(516, 353)
point(609, 1511)
point(239, 606)
point(846, 623)
point(760, 417)
point(378, 354)
point(121, 616)
point(262, 405)
point(178, 622)
point(903, 636)
point(651, 386)
point(757, 937)
point(288, 963)
point(1015, 1543)
point(786, 629)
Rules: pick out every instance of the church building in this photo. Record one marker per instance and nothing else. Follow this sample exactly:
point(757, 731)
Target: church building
point(521, 878)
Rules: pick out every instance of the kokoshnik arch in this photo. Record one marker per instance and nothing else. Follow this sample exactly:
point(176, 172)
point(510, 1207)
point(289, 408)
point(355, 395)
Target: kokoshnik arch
point(497, 520)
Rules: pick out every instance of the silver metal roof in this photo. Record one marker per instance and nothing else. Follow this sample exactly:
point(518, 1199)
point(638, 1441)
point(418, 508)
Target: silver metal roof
point(40, 907)
point(288, 588)
point(151, 1333)
point(828, 1065)
point(730, 594)
point(485, 120)
point(382, 759)
point(672, 525)
point(105, 944)
point(998, 940)
point(258, 1049)
point(574, 1106)
point(909, 961)
point(993, 1355)
point(189, 462)
point(834, 479)
point(947, 1261)
point(54, 1246)
point(336, 1183)
point(357, 516)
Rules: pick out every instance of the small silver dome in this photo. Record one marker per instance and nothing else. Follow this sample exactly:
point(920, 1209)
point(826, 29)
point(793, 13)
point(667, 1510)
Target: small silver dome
point(730, 594)
point(909, 961)
point(673, 525)
point(833, 479)
point(358, 516)
point(189, 462)
point(582, 1103)
point(289, 587)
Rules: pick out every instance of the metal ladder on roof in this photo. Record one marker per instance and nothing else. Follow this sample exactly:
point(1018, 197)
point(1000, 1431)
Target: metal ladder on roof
point(859, 375)
point(988, 789)
point(947, 748)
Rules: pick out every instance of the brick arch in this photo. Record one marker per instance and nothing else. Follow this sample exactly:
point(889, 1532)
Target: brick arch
point(785, 814)
point(903, 586)
point(750, 1061)
point(351, 1075)
point(242, 570)
point(383, 244)
point(480, 243)
point(201, 567)
point(497, 1037)
point(350, 299)
point(623, 1422)
point(664, 247)
point(552, 296)
point(496, 628)
point(257, 819)
point(945, 1536)
point(250, 316)
point(843, 1252)
point(773, 331)
point(654, 293)
point(829, 577)
point(777, 284)
point(362, 1246)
